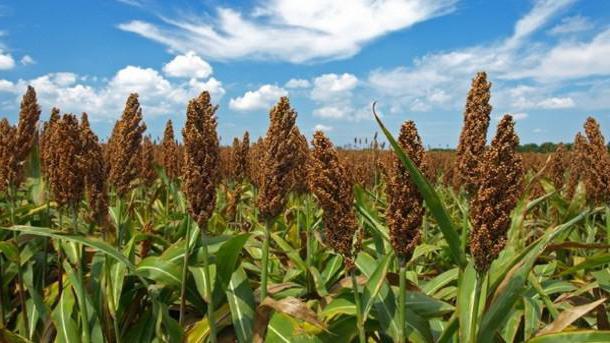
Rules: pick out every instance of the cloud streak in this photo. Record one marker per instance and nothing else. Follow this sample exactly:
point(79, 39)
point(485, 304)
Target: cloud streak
point(286, 30)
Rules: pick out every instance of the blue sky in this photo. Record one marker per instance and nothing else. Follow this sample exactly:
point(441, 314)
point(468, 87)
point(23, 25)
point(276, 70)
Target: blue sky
point(549, 61)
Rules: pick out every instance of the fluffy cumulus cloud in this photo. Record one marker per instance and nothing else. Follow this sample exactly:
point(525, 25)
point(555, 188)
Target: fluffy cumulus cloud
point(332, 86)
point(72, 93)
point(333, 93)
point(188, 65)
point(6, 61)
point(289, 30)
point(260, 99)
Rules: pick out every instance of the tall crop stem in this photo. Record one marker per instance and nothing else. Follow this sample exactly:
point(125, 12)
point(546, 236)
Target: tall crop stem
point(359, 319)
point(208, 286)
point(265, 260)
point(185, 270)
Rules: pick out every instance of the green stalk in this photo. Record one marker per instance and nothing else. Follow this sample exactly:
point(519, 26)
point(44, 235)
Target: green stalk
point(185, 270)
point(24, 310)
point(265, 260)
point(113, 311)
point(402, 295)
point(60, 268)
point(1, 291)
point(208, 286)
point(359, 319)
point(309, 245)
point(81, 274)
point(119, 228)
point(475, 305)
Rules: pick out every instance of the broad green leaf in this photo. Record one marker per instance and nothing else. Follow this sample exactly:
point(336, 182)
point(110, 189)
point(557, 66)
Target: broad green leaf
point(373, 285)
point(67, 331)
point(92, 242)
point(585, 336)
point(468, 303)
point(226, 262)
point(242, 304)
point(161, 271)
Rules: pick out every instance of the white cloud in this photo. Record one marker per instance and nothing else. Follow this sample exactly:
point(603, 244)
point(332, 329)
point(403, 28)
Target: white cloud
point(321, 127)
point(441, 80)
point(556, 103)
point(289, 31)
point(105, 102)
point(332, 112)
point(297, 83)
point(188, 65)
point(573, 24)
point(27, 60)
point(332, 86)
point(6, 86)
point(6, 61)
point(260, 99)
point(573, 60)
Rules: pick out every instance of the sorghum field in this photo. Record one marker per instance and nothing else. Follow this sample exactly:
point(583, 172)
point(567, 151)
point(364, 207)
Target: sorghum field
point(293, 239)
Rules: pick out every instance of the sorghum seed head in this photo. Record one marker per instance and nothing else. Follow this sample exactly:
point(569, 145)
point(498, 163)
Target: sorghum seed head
point(94, 170)
point(500, 185)
point(405, 209)
point(332, 187)
point(172, 160)
point(65, 170)
point(201, 158)
point(278, 160)
point(148, 174)
point(124, 147)
point(474, 133)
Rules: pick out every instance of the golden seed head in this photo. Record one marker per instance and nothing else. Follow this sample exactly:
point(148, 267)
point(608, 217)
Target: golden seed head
point(474, 133)
point(94, 169)
point(500, 185)
point(558, 164)
point(8, 161)
point(65, 169)
point(332, 187)
point(148, 175)
point(172, 160)
point(29, 114)
point(278, 160)
point(405, 209)
point(124, 147)
point(597, 172)
point(298, 176)
point(201, 158)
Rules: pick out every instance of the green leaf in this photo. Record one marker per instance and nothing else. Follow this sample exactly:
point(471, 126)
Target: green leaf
point(468, 303)
point(431, 198)
point(585, 336)
point(161, 271)
point(242, 304)
point(226, 261)
point(374, 283)
point(62, 316)
point(92, 242)
point(427, 306)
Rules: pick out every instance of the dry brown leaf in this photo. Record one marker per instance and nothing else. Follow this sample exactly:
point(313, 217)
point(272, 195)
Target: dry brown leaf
point(568, 317)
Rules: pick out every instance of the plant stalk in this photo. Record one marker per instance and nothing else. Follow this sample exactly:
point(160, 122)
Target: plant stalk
point(24, 309)
point(185, 270)
point(208, 286)
point(81, 274)
point(265, 260)
point(402, 295)
point(475, 304)
point(359, 319)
